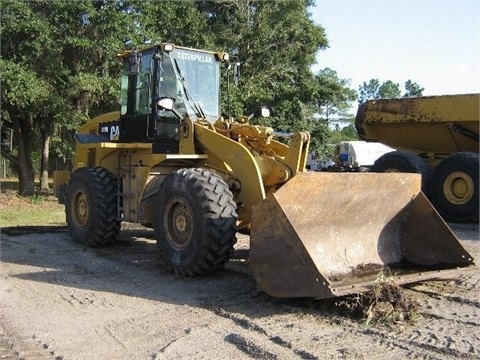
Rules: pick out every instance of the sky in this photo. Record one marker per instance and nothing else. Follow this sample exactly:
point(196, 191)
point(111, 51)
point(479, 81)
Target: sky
point(433, 43)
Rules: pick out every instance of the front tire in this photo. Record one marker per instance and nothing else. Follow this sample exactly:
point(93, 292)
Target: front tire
point(91, 206)
point(195, 223)
point(454, 190)
point(404, 162)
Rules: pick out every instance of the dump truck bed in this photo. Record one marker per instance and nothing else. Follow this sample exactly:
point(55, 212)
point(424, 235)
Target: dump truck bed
point(431, 124)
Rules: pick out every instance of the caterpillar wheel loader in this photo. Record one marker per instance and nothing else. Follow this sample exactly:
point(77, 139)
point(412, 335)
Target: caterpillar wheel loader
point(436, 136)
point(169, 160)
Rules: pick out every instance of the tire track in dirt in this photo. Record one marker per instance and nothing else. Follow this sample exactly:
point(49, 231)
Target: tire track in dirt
point(451, 318)
point(231, 291)
point(249, 348)
point(233, 299)
point(7, 351)
point(250, 325)
point(424, 344)
point(440, 343)
point(320, 336)
point(115, 279)
point(25, 349)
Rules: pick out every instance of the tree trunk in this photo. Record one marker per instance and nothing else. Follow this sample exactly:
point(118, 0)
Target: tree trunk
point(23, 127)
point(45, 157)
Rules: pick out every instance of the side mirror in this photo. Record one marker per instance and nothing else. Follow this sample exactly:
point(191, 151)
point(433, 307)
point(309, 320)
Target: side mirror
point(165, 103)
point(135, 63)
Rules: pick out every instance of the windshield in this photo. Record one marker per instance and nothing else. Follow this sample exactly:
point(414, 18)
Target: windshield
point(192, 79)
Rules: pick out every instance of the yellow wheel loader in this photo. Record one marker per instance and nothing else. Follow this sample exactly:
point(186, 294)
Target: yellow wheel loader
point(169, 160)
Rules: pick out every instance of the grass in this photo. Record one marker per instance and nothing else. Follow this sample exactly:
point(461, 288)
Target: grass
point(39, 209)
point(36, 215)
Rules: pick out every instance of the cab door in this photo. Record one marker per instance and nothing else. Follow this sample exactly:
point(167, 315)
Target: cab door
point(136, 97)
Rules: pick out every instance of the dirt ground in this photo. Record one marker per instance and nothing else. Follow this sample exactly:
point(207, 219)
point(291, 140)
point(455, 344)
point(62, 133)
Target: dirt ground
point(61, 300)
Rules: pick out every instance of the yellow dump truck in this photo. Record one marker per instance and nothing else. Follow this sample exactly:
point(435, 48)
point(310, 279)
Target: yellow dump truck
point(436, 136)
point(170, 161)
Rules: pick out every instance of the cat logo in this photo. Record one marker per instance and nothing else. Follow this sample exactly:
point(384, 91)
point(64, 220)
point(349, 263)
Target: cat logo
point(110, 130)
point(114, 133)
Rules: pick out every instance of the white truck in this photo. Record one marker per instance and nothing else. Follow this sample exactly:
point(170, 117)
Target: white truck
point(359, 155)
point(349, 156)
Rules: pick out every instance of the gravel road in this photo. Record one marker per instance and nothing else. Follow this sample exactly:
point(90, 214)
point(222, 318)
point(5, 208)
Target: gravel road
point(62, 300)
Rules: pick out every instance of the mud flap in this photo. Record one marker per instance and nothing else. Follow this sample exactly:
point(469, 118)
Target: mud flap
point(330, 234)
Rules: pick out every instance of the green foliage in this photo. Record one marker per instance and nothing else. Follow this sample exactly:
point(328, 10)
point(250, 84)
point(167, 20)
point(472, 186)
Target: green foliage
point(36, 199)
point(273, 73)
point(59, 69)
point(387, 90)
point(347, 133)
point(59, 66)
point(22, 87)
point(333, 95)
point(321, 137)
point(412, 89)
point(368, 90)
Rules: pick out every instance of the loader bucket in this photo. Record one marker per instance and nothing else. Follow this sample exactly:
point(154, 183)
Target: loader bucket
point(330, 234)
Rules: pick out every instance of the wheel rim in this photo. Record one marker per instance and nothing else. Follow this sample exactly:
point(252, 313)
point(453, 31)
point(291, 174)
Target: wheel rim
point(458, 188)
point(392, 170)
point(178, 222)
point(81, 212)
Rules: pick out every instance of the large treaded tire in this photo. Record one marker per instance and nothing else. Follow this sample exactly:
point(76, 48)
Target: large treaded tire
point(454, 188)
point(195, 222)
point(405, 162)
point(91, 206)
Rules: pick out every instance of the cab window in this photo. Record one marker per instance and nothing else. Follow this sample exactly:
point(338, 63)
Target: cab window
point(135, 91)
point(143, 88)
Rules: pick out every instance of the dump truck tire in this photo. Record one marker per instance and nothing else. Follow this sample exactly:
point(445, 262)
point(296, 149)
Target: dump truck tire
point(405, 162)
point(91, 206)
point(195, 223)
point(454, 190)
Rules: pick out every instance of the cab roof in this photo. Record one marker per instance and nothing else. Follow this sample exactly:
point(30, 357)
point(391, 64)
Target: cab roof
point(170, 47)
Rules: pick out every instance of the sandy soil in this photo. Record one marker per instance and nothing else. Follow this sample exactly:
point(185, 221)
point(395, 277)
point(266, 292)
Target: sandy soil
point(61, 300)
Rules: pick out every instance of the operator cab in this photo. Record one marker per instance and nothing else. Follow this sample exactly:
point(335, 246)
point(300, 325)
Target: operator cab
point(191, 78)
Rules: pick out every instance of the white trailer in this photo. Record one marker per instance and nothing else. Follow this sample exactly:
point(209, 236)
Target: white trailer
point(359, 155)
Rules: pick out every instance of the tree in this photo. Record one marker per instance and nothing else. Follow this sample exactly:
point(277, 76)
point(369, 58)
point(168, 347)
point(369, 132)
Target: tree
point(57, 70)
point(412, 89)
point(387, 90)
point(333, 95)
point(368, 90)
point(347, 133)
point(24, 90)
point(59, 67)
point(276, 43)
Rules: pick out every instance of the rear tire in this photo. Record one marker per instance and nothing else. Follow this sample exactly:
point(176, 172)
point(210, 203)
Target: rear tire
point(404, 162)
point(454, 190)
point(195, 223)
point(91, 206)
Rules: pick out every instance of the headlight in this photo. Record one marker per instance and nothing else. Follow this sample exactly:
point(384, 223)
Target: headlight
point(168, 47)
point(265, 112)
